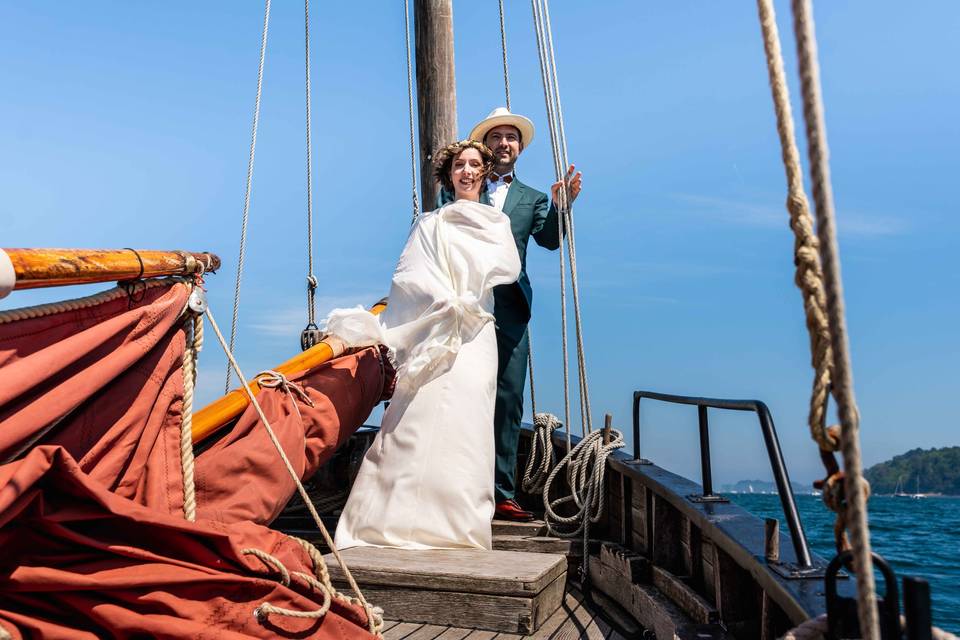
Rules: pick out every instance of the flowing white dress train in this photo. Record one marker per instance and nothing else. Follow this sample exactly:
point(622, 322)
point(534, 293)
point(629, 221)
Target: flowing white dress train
point(426, 482)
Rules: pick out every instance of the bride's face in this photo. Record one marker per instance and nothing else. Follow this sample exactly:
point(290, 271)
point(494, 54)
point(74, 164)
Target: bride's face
point(466, 174)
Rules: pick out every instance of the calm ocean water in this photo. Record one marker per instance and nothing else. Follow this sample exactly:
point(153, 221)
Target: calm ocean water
point(917, 537)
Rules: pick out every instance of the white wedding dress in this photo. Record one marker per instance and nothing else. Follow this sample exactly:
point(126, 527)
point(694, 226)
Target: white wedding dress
point(426, 482)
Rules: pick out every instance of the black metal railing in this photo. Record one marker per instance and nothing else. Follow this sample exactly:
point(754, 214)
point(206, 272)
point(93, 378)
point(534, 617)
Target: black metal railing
point(777, 465)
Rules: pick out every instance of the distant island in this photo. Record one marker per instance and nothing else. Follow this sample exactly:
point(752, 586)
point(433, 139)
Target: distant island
point(763, 486)
point(938, 471)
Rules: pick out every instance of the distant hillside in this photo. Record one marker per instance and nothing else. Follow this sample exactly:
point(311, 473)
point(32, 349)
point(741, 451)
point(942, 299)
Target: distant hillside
point(938, 469)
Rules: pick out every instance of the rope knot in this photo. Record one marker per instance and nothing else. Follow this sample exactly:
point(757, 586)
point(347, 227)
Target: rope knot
point(271, 379)
point(312, 281)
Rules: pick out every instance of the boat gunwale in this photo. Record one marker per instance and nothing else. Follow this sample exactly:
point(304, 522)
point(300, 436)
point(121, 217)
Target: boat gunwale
point(724, 524)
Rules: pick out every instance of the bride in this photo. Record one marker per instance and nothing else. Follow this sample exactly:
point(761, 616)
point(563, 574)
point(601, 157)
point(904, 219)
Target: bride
point(427, 480)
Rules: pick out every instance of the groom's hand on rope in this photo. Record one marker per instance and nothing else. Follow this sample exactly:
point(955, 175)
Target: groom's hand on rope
point(574, 183)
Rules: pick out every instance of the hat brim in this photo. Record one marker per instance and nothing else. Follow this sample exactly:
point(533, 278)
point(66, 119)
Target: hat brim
point(522, 124)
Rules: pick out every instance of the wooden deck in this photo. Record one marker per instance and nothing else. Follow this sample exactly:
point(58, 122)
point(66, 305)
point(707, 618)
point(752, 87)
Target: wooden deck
point(573, 620)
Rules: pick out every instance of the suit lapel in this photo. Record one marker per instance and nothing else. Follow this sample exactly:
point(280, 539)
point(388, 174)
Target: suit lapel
point(513, 196)
point(485, 198)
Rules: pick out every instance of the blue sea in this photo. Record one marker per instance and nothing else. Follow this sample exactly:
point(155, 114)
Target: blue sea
point(917, 537)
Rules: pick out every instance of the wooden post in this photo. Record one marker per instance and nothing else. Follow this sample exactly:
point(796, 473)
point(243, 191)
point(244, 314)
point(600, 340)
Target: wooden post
point(436, 87)
point(607, 425)
point(771, 539)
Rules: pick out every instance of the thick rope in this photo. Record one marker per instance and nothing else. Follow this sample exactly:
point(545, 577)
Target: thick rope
point(4, 634)
point(373, 621)
point(265, 609)
point(540, 460)
point(246, 195)
point(503, 48)
point(842, 381)
point(311, 278)
point(808, 276)
point(194, 330)
point(413, 143)
point(86, 302)
point(586, 468)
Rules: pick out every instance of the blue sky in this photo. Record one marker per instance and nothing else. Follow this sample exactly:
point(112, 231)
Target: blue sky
point(127, 124)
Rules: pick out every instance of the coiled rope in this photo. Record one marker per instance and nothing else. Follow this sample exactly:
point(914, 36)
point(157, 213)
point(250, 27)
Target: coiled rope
point(246, 194)
point(586, 468)
point(374, 620)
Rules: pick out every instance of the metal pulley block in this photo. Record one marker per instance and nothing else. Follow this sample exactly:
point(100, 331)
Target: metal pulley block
point(310, 337)
point(197, 302)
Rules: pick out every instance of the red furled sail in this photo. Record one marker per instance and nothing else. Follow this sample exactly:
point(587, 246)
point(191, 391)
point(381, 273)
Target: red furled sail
point(91, 489)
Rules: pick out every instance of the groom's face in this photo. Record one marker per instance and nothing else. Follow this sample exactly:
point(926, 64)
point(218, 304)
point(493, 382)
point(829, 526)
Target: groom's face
point(505, 143)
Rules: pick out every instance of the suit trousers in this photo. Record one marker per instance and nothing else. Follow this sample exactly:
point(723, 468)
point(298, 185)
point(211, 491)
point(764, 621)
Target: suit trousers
point(513, 348)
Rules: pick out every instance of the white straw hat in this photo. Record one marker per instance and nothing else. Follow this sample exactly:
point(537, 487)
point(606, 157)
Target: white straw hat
point(500, 116)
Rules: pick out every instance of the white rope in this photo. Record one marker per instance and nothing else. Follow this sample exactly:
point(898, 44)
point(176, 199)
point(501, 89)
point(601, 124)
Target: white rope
point(193, 327)
point(563, 287)
point(856, 512)
point(246, 195)
point(503, 48)
point(540, 460)
point(372, 619)
point(311, 278)
point(413, 142)
point(816, 628)
point(586, 467)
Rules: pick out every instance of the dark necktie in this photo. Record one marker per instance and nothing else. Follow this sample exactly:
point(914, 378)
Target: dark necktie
point(507, 179)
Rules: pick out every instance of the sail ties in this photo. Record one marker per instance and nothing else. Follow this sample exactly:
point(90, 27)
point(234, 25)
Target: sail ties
point(374, 618)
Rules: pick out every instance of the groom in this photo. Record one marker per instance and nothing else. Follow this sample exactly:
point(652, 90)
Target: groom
point(531, 214)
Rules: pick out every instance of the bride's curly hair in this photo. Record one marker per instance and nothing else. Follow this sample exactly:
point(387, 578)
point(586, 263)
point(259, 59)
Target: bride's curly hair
point(443, 161)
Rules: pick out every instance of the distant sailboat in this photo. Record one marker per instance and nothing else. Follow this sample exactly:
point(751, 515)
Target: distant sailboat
point(898, 492)
point(918, 495)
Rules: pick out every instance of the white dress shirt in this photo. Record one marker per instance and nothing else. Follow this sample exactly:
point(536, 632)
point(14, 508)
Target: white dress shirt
point(497, 189)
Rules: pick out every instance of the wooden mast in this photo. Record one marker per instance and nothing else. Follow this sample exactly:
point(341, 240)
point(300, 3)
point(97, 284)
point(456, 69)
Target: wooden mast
point(436, 87)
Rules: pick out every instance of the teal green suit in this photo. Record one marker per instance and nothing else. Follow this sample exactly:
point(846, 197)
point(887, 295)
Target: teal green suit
point(531, 214)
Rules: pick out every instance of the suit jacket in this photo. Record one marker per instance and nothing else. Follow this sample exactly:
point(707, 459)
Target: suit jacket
point(531, 214)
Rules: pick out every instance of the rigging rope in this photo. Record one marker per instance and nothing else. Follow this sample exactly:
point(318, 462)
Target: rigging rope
point(311, 278)
point(548, 72)
point(193, 330)
point(246, 195)
point(374, 621)
point(832, 362)
point(413, 142)
point(503, 47)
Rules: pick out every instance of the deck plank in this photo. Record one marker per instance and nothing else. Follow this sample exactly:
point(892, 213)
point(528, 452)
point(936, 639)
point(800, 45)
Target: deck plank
point(571, 602)
point(401, 630)
point(454, 633)
point(582, 623)
point(481, 635)
point(387, 624)
point(427, 632)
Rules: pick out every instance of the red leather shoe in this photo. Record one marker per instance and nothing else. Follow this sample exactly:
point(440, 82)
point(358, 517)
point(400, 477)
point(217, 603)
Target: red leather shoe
point(510, 510)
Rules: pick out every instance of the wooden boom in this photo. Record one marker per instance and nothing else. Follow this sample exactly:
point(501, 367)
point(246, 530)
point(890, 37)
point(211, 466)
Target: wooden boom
point(212, 417)
point(36, 268)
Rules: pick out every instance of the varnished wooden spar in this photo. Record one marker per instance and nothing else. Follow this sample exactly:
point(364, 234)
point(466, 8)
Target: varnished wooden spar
point(212, 417)
point(36, 268)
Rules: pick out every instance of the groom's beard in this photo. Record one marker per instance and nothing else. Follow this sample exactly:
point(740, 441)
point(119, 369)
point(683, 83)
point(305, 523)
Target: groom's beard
point(504, 168)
